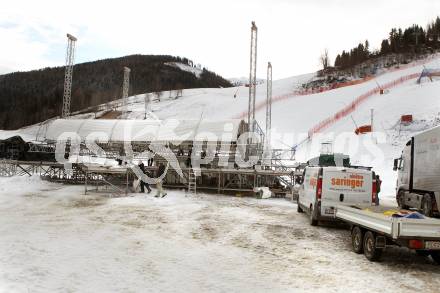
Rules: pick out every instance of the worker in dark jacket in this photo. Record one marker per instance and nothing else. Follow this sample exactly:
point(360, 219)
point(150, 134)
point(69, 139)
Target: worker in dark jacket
point(142, 183)
point(378, 185)
point(160, 172)
point(150, 161)
point(188, 159)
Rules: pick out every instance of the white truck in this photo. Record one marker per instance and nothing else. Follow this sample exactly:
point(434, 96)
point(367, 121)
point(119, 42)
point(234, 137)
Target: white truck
point(324, 188)
point(372, 231)
point(418, 180)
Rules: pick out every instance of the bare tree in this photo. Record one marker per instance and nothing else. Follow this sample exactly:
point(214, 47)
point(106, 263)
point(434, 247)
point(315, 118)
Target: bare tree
point(324, 59)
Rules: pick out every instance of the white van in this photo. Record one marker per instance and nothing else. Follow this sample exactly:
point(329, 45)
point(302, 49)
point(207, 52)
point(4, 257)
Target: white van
point(323, 188)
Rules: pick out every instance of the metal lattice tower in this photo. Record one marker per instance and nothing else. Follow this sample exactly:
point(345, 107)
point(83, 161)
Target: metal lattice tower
point(70, 57)
point(125, 87)
point(269, 104)
point(252, 77)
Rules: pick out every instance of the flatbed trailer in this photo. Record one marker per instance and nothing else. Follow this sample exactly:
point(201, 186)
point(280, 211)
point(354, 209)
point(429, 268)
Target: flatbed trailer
point(372, 231)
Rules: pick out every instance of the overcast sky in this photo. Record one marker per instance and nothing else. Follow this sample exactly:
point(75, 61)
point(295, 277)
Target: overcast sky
point(291, 33)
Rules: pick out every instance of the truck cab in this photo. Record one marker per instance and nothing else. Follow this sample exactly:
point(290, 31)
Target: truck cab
point(418, 173)
point(403, 166)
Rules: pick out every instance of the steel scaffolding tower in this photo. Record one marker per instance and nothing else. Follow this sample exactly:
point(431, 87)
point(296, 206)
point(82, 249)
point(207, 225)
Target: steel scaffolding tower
point(70, 57)
point(267, 142)
point(269, 103)
point(252, 77)
point(125, 87)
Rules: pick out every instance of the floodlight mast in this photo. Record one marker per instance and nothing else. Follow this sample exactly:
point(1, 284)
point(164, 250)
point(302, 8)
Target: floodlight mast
point(252, 77)
point(269, 104)
point(70, 58)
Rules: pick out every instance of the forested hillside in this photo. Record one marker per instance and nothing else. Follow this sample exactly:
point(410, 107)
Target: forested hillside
point(30, 97)
point(410, 42)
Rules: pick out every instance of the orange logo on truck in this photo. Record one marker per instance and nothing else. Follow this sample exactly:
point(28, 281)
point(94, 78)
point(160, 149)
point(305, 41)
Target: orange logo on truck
point(353, 181)
point(313, 181)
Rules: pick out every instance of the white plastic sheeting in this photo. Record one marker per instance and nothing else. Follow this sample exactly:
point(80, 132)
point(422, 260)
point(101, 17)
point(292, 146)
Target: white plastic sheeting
point(148, 130)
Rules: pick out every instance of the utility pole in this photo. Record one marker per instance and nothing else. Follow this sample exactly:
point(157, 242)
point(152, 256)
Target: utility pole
point(269, 104)
point(417, 33)
point(252, 77)
point(373, 139)
point(125, 87)
point(70, 57)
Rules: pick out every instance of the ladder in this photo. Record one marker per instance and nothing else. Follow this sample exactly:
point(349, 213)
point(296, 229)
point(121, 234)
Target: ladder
point(192, 182)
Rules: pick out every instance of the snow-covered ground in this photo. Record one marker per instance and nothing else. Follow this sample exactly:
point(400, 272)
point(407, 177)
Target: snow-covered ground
point(53, 238)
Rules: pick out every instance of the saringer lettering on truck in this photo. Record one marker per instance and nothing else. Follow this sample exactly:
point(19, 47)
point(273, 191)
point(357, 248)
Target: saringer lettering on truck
point(354, 181)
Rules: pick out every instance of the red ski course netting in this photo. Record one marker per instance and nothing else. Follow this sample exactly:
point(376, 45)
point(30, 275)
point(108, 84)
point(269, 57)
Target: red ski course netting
point(354, 104)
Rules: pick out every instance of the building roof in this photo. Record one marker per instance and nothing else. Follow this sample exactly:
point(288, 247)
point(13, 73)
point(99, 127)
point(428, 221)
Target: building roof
point(147, 130)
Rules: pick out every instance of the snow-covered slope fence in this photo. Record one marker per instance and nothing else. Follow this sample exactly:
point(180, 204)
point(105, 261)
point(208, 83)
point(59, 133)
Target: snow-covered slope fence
point(344, 112)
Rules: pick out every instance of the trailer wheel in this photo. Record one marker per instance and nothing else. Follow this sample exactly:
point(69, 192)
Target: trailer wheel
point(357, 240)
point(427, 205)
point(370, 251)
point(401, 200)
point(435, 256)
point(313, 221)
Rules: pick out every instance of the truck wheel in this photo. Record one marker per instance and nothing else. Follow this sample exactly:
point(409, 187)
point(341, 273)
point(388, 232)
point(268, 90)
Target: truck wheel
point(427, 205)
point(436, 256)
point(313, 221)
point(298, 207)
point(422, 252)
point(357, 240)
point(401, 200)
point(370, 251)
